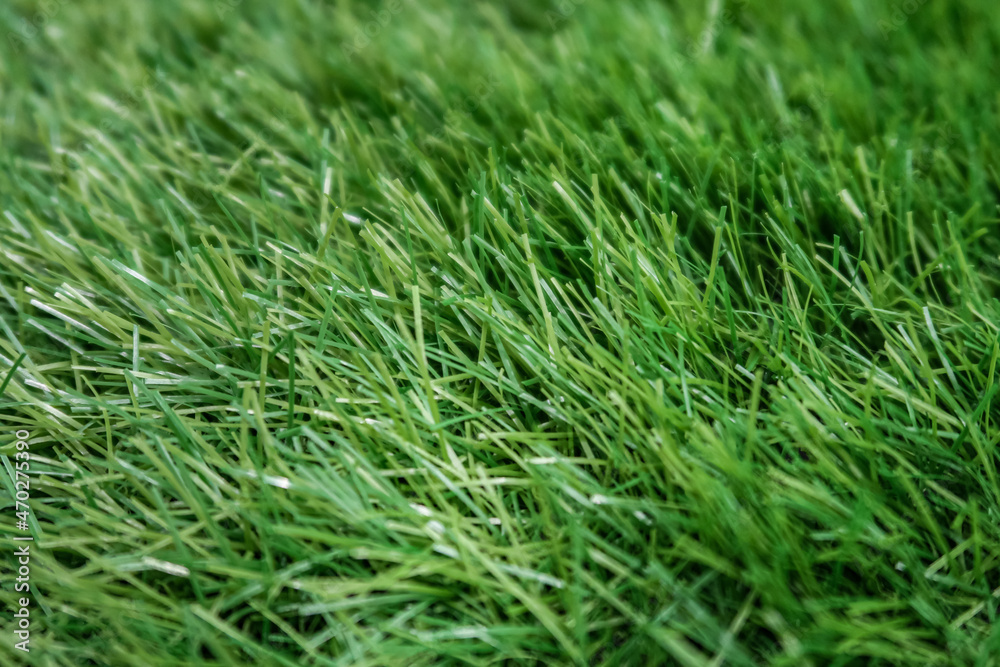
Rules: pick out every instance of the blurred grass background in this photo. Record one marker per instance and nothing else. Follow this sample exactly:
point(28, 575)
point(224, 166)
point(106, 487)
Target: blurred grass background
point(503, 333)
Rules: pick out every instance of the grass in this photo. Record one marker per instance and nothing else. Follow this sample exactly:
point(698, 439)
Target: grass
point(441, 333)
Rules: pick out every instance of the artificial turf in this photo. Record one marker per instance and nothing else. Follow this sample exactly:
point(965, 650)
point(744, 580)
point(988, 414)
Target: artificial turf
point(510, 333)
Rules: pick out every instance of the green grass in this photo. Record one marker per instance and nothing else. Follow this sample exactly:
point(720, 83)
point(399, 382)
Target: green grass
point(556, 333)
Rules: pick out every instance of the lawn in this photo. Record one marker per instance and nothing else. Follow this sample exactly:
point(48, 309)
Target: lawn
point(534, 332)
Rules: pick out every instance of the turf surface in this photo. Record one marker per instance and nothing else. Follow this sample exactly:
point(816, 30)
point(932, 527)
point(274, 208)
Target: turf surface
point(464, 333)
